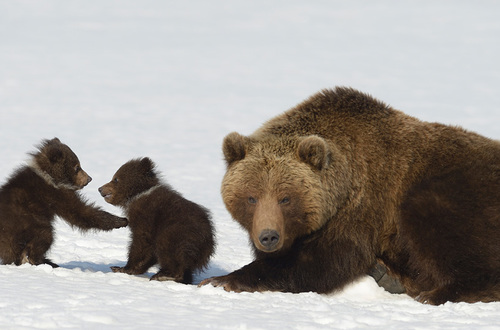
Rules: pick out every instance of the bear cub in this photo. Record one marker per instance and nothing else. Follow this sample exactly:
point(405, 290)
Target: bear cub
point(35, 194)
point(166, 229)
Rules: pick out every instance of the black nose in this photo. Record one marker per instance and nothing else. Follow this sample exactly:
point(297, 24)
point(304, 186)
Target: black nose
point(269, 239)
point(100, 189)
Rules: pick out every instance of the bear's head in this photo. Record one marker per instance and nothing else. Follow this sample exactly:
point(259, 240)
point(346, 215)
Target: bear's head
point(59, 165)
point(278, 188)
point(132, 178)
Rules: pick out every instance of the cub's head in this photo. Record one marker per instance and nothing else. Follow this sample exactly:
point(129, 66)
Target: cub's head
point(132, 178)
point(59, 165)
point(275, 187)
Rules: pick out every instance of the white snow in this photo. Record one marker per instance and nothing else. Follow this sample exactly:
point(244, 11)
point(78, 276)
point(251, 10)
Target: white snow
point(169, 79)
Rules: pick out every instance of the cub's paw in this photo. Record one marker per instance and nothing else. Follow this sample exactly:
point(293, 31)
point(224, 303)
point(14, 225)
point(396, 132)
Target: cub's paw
point(121, 222)
point(163, 277)
point(109, 221)
point(126, 270)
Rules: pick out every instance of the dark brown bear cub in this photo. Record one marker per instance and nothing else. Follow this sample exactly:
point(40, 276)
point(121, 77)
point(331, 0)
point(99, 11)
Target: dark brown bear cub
point(166, 228)
point(35, 194)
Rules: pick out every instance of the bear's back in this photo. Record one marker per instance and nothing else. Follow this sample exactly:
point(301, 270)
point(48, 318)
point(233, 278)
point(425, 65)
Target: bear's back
point(162, 207)
point(326, 111)
point(26, 192)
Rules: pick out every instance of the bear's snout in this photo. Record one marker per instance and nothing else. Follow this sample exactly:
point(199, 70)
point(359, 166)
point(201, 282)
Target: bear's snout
point(268, 234)
point(82, 179)
point(269, 239)
point(106, 193)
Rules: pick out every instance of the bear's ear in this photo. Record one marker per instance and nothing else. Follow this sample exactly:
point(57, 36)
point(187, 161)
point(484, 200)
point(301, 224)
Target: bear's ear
point(147, 166)
point(234, 147)
point(53, 151)
point(314, 151)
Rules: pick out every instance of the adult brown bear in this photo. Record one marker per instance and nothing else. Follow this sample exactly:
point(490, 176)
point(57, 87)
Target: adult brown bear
point(35, 194)
point(342, 181)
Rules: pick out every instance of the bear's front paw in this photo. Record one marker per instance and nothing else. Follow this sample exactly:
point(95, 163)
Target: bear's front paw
point(110, 221)
point(121, 222)
point(229, 283)
point(118, 269)
point(432, 297)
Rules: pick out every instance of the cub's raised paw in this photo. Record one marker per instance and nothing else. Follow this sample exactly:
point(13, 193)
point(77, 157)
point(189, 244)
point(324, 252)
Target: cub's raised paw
point(120, 222)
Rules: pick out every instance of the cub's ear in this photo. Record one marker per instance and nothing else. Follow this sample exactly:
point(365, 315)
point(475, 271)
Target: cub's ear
point(147, 166)
point(234, 147)
point(314, 151)
point(53, 151)
point(54, 140)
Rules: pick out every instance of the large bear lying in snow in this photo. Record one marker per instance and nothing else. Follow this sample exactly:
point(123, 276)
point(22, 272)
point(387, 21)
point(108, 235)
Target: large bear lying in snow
point(342, 181)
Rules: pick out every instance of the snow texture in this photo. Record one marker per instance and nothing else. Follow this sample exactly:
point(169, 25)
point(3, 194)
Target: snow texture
point(169, 79)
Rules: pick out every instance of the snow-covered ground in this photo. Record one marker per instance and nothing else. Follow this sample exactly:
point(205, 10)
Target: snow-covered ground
point(169, 79)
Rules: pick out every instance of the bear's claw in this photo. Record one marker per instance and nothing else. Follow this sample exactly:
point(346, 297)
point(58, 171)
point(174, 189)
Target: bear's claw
point(117, 269)
point(217, 282)
point(229, 283)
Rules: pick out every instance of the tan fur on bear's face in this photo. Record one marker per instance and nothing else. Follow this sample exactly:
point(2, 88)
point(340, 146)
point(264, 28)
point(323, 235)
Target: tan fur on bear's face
point(268, 191)
point(82, 178)
point(108, 191)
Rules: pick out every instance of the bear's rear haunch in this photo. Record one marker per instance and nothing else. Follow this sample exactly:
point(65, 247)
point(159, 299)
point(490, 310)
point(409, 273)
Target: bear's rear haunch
point(343, 181)
point(166, 228)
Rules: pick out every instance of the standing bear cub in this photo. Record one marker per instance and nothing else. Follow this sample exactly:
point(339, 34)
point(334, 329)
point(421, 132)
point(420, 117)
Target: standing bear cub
point(35, 194)
point(166, 228)
point(341, 181)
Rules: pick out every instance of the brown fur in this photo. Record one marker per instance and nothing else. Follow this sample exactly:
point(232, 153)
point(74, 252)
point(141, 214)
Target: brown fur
point(342, 181)
point(167, 229)
point(35, 194)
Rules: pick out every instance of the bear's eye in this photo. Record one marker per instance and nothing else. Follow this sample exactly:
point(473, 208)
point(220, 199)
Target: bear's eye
point(77, 168)
point(115, 180)
point(285, 200)
point(252, 200)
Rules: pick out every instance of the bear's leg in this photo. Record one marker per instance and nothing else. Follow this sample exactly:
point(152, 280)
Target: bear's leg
point(12, 253)
point(140, 257)
point(318, 266)
point(178, 254)
point(8, 256)
point(459, 292)
point(38, 242)
point(451, 292)
point(13, 244)
point(185, 277)
point(84, 215)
